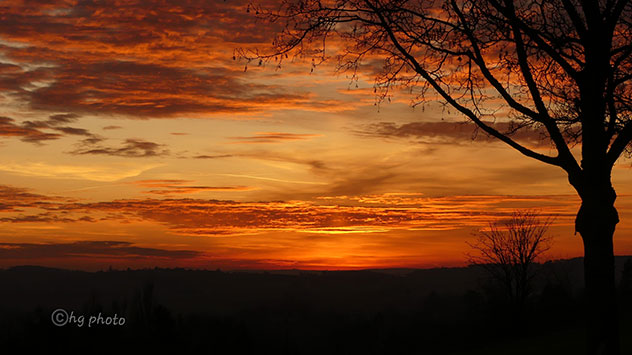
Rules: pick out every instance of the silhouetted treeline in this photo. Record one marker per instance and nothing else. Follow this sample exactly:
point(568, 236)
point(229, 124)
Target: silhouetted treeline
point(401, 311)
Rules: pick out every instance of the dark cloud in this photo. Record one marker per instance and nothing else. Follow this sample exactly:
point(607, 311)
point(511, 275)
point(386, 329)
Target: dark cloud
point(358, 184)
point(272, 137)
point(10, 193)
point(53, 121)
point(74, 131)
point(142, 59)
point(88, 249)
point(449, 132)
point(33, 131)
point(63, 118)
point(12, 199)
point(27, 133)
point(47, 217)
point(159, 182)
point(212, 156)
point(135, 22)
point(168, 187)
point(90, 141)
point(131, 148)
point(6, 68)
point(111, 127)
point(152, 90)
point(192, 189)
point(16, 81)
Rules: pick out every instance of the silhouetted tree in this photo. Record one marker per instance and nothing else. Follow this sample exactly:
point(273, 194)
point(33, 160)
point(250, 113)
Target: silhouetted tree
point(625, 286)
point(508, 251)
point(561, 68)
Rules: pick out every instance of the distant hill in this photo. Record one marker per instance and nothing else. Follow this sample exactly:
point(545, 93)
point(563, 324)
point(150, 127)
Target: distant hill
point(184, 290)
point(381, 311)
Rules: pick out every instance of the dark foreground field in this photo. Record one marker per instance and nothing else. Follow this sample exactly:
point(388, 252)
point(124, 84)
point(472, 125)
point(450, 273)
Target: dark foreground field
point(435, 311)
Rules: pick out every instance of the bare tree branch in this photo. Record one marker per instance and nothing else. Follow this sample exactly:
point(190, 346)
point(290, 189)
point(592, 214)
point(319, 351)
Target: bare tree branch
point(508, 251)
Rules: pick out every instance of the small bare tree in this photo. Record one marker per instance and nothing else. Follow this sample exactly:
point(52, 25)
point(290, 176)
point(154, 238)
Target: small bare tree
point(508, 250)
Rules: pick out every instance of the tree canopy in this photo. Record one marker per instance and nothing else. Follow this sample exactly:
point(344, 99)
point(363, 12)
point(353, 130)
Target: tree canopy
point(562, 67)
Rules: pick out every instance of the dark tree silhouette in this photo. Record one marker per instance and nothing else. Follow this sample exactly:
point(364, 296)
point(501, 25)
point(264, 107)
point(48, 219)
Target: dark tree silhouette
point(625, 285)
point(561, 67)
point(508, 249)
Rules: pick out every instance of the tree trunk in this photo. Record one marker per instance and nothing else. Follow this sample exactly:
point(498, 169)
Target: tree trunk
point(596, 221)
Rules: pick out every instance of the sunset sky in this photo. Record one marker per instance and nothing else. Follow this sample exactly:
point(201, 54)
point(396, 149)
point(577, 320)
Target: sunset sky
point(130, 137)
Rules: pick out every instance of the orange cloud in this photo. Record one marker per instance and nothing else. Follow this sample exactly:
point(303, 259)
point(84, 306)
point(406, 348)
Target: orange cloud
point(176, 187)
point(332, 215)
point(377, 230)
point(272, 137)
point(14, 199)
